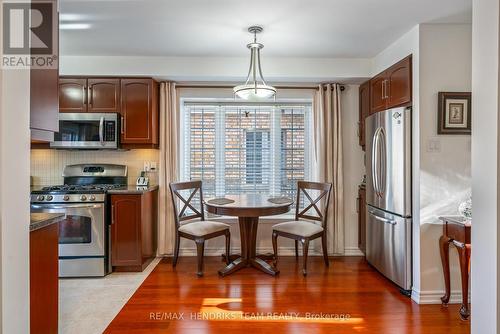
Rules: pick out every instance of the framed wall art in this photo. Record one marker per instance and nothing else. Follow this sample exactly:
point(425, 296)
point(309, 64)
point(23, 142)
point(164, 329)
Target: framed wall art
point(454, 113)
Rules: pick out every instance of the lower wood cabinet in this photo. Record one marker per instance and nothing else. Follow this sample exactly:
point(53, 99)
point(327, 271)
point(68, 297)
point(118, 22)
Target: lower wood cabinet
point(44, 279)
point(133, 230)
point(362, 218)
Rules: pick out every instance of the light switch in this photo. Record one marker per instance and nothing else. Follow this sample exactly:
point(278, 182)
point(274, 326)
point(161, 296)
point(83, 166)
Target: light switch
point(434, 145)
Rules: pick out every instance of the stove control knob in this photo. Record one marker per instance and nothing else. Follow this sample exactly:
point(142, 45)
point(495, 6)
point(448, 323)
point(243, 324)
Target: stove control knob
point(83, 198)
point(49, 198)
point(65, 198)
point(92, 197)
point(40, 198)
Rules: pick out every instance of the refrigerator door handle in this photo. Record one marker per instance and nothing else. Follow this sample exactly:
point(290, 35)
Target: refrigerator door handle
point(384, 220)
point(381, 182)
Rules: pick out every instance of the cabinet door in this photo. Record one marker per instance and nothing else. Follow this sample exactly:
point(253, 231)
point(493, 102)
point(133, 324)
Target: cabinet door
point(44, 94)
point(72, 95)
point(399, 83)
point(362, 219)
point(103, 95)
point(378, 93)
point(125, 230)
point(139, 110)
point(44, 279)
point(364, 110)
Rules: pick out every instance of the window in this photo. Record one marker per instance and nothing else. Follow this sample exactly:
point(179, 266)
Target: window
point(246, 148)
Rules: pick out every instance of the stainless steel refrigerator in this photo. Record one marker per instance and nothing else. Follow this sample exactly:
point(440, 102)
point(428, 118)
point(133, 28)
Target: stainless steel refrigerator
point(388, 194)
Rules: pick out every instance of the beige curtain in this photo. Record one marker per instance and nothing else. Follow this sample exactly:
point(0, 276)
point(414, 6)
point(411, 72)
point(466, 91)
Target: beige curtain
point(169, 160)
point(328, 159)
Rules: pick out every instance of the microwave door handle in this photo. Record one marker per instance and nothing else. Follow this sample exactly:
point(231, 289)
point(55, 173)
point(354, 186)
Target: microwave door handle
point(101, 130)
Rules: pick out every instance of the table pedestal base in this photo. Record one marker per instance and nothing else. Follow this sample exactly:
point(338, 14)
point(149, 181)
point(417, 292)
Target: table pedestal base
point(248, 257)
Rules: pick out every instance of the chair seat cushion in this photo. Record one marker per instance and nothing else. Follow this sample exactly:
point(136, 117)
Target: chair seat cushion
point(300, 228)
point(201, 228)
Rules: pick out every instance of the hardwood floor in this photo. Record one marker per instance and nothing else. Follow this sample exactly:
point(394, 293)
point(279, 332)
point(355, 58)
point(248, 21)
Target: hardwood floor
point(347, 297)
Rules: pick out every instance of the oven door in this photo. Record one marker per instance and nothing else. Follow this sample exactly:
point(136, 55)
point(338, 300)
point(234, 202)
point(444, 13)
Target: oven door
point(82, 231)
point(87, 131)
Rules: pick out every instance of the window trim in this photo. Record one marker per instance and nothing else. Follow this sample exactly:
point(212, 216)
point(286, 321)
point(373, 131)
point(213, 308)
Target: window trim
point(185, 137)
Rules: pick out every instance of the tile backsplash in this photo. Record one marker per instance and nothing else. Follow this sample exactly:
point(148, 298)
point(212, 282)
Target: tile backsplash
point(47, 165)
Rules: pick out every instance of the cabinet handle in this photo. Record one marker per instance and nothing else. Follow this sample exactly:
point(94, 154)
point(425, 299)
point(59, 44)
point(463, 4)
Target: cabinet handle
point(383, 90)
point(112, 214)
point(386, 90)
point(84, 95)
point(122, 127)
point(91, 99)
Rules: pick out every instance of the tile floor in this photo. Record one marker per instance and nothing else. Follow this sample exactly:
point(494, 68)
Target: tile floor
point(88, 305)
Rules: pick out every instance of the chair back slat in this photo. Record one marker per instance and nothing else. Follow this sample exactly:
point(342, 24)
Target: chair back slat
point(187, 202)
point(314, 204)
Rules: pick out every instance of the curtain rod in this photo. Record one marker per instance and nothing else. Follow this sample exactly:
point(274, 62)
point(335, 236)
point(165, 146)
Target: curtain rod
point(190, 85)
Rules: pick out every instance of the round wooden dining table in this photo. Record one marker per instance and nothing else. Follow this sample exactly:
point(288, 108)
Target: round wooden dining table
point(248, 208)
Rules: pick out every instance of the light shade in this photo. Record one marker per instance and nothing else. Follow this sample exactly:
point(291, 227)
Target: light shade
point(254, 92)
point(255, 88)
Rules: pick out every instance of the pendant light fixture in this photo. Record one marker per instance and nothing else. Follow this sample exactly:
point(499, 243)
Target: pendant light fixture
point(255, 88)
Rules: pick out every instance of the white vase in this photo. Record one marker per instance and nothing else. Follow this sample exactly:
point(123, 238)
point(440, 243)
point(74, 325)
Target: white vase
point(465, 208)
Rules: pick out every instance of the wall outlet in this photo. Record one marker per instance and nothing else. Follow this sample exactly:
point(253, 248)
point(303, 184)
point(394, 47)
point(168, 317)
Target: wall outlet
point(147, 166)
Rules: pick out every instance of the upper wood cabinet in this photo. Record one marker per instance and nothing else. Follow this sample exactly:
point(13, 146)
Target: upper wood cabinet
point(377, 93)
point(72, 94)
point(364, 110)
point(139, 110)
point(135, 99)
point(392, 88)
point(103, 95)
point(44, 102)
point(399, 83)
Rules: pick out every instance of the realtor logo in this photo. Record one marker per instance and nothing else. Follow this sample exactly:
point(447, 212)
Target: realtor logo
point(29, 35)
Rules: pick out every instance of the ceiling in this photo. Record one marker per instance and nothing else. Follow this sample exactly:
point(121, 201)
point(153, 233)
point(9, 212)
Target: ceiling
point(292, 28)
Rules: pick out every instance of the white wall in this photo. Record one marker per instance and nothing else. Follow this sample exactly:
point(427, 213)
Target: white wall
point(219, 69)
point(404, 46)
point(485, 169)
point(445, 176)
point(354, 166)
point(14, 203)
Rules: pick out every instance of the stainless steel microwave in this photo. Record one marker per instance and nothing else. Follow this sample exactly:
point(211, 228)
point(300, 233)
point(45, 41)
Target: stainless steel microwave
point(88, 131)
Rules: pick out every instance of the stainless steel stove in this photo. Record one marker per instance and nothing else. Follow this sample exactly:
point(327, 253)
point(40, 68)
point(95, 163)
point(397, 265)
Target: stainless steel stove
point(84, 240)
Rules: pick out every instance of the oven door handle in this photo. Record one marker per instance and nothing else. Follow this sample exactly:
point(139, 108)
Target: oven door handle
point(61, 207)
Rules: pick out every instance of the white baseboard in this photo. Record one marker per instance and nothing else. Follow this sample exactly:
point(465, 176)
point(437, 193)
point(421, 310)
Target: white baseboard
point(353, 251)
point(434, 297)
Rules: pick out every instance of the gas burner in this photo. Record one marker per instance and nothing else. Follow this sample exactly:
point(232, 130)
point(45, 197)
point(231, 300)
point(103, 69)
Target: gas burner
point(82, 188)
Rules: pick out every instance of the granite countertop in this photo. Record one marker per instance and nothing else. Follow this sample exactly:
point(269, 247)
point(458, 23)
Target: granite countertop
point(133, 190)
point(41, 220)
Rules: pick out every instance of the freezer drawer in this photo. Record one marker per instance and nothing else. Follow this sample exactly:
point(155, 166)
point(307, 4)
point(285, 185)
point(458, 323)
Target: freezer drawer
point(388, 245)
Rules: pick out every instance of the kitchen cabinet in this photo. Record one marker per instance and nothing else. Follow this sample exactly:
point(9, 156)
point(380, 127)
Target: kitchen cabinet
point(362, 218)
point(135, 99)
point(139, 111)
point(103, 95)
point(364, 111)
point(89, 95)
point(44, 105)
point(133, 230)
point(44, 282)
point(392, 87)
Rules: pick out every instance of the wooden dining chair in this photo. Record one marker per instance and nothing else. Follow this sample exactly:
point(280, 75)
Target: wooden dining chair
point(306, 227)
point(199, 230)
